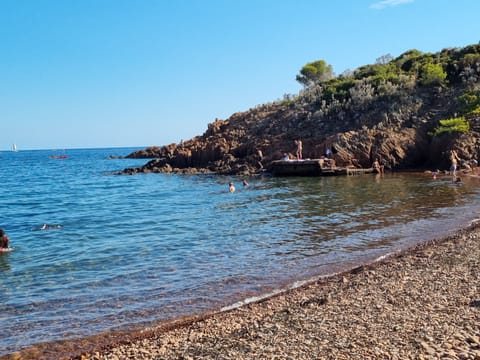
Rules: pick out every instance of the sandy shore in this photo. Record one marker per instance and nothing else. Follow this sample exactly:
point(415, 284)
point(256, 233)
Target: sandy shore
point(420, 304)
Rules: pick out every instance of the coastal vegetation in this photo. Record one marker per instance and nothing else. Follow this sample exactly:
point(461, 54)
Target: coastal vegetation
point(451, 125)
point(393, 78)
point(410, 111)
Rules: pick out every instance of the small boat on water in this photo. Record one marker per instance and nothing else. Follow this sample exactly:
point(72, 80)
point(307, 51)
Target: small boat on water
point(58, 154)
point(14, 148)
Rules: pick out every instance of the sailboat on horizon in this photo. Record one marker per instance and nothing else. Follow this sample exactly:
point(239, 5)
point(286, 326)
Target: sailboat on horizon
point(14, 148)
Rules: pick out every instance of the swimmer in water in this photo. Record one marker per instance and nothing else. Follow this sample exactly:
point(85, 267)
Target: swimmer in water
point(231, 187)
point(4, 240)
point(49, 227)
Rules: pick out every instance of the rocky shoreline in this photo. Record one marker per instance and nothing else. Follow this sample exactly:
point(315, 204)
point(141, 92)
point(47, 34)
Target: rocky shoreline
point(423, 303)
point(398, 120)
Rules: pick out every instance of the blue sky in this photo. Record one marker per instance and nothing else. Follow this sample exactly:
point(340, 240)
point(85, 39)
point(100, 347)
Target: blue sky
point(114, 73)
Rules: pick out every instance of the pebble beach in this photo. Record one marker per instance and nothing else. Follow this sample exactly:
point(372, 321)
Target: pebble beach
point(423, 303)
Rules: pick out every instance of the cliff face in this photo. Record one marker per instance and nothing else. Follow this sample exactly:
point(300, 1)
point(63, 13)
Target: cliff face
point(393, 125)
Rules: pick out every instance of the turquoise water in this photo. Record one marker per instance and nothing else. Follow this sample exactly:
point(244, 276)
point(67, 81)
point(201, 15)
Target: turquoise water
point(127, 251)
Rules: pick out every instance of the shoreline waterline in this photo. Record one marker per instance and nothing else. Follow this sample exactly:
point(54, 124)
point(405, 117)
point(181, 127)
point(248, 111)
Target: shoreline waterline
point(109, 341)
point(419, 301)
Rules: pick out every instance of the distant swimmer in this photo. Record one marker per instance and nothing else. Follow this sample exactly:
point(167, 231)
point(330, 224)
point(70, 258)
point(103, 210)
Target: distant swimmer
point(231, 187)
point(49, 227)
point(245, 183)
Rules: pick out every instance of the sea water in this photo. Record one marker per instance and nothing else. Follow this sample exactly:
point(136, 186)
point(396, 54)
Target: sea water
point(95, 251)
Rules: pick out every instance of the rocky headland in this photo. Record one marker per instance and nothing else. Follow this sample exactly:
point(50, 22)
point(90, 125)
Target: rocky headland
point(410, 112)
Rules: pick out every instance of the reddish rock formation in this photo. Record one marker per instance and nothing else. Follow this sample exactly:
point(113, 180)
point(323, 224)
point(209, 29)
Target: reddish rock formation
point(232, 146)
point(358, 118)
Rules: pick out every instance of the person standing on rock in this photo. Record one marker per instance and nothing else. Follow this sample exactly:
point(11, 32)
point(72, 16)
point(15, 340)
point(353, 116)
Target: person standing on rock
point(260, 158)
point(299, 149)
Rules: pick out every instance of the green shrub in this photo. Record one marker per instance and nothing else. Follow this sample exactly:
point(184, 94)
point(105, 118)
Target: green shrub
point(458, 124)
point(476, 111)
point(470, 102)
point(432, 74)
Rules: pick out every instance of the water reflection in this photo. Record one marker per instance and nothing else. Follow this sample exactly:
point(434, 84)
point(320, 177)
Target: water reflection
point(351, 213)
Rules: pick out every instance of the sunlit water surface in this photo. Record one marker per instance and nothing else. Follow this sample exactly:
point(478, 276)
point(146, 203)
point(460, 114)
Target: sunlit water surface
point(127, 251)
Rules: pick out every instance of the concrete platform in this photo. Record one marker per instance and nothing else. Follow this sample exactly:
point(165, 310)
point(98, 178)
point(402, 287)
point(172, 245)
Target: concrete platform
point(313, 167)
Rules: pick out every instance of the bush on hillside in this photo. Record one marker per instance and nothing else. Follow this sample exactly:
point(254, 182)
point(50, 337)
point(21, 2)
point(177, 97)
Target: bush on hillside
point(470, 102)
point(458, 124)
point(432, 74)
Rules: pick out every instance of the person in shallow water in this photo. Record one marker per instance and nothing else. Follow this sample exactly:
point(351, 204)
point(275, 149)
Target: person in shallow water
point(453, 163)
point(4, 240)
point(231, 187)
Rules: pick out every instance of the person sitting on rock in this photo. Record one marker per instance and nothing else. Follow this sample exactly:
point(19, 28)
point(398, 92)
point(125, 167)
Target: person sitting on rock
point(474, 165)
point(353, 163)
point(467, 168)
point(377, 167)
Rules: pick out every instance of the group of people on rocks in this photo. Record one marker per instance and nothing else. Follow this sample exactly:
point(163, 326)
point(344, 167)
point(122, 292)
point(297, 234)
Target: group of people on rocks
point(299, 152)
point(378, 166)
point(469, 167)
